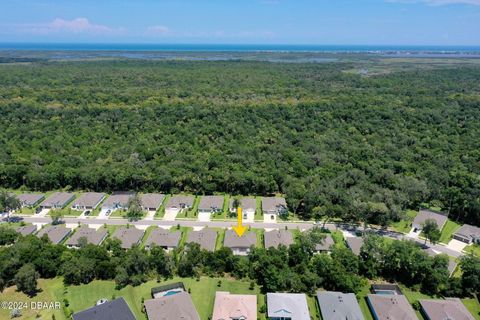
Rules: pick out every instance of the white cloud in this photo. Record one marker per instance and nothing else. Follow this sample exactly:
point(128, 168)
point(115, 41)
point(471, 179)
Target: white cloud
point(439, 2)
point(157, 30)
point(75, 26)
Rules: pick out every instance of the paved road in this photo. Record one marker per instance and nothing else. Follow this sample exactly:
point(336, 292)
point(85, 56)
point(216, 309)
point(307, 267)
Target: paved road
point(227, 224)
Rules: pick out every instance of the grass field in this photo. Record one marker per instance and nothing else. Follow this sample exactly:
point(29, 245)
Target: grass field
point(161, 211)
point(475, 249)
point(447, 231)
point(84, 296)
point(405, 225)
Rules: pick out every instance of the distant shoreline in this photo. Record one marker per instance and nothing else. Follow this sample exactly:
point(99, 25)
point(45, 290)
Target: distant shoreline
point(277, 48)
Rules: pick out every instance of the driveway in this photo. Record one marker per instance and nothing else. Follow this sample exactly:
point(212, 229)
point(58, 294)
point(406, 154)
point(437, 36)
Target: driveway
point(170, 214)
point(204, 216)
point(456, 245)
point(43, 213)
point(150, 215)
point(103, 214)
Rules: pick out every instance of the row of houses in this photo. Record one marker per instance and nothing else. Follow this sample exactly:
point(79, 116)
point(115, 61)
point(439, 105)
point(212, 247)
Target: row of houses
point(385, 303)
point(130, 236)
point(273, 206)
point(466, 233)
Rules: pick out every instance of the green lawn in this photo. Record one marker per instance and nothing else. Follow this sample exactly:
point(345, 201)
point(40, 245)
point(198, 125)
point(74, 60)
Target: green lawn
point(405, 225)
point(475, 249)
point(338, 238)
point(84, 296)
point(362, 301)
point(258, 212)
point(259, 232)
point(220, 238)
point(161, 211)
point(447, 231)
point(146, 235)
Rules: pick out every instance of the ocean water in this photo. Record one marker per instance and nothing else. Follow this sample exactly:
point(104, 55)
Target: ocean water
point(233, 47)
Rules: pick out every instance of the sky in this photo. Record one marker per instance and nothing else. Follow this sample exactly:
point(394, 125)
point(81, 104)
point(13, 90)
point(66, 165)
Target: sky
point(321, 22)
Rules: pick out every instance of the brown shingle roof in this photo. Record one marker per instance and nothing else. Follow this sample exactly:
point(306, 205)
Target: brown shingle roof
point(206, 238)
point(176, 306)
point(391, 307)
point(151, 200)
point(232, 240)
point(88, 199)
point(276, 238)
point(55, 233)
point(58, 199)
point(452, 308)
point(164, 238)
point(93, 236)
point(128, 236)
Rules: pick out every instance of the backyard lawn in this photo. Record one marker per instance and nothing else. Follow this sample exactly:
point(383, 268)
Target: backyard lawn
point(447, 231)
point(84, 296)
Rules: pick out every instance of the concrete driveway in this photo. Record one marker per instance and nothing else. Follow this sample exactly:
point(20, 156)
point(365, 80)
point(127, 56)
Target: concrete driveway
point(43, 213)
point(204, 216)
point(456, 245)
point(170, 214)
point(103, 214)
point(150, 215)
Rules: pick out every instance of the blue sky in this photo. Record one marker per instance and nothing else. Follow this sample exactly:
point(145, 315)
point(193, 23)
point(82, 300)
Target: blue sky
point(380, 22)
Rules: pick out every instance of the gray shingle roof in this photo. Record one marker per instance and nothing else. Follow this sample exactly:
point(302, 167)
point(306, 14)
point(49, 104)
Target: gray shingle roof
point(151, 200)
point(118, 199)
point(30, 199)
point(276, 238)
point(176, 306)
point(451, 308)
point(209, 202)
point(355, 244)
point(88, 199)
point(164, 238)
point(391, 307)
point(326, 244)
point(288, 305)
point(232, 240)
point(424, 215)
point(246, 204)
point(55, 233)
point(180, 201)
point(273, 204)
point(93, 236)
point(111, 310)
point(469, 231)
point(58, 199)
point(339, 306)
point(26, 230)
point(128, 236)
point(206, 238)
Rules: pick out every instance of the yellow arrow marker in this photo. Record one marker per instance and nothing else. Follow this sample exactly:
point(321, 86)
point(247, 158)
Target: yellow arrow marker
point(239, 229)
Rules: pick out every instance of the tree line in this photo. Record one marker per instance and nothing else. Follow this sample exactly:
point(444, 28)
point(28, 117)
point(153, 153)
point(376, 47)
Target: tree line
point(336, 144)
point(295, 268)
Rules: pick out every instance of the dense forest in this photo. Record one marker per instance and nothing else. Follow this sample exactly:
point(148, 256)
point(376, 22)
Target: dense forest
point(336, 143)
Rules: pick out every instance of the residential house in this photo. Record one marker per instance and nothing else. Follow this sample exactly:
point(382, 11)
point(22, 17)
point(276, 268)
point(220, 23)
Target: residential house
point(30, 200)
point(56, 233)
point(234, 306)
point(273, 207)
point(88, 201)
point(129, 237)
point(240, 245)
point(211, 204)
point(151, 201)
point(355, 244)
point(388, 307)
point(27, 230)
point(91, 236)
point(339, 306)
point(287, 306)
point(118, 200)
point(179, 203)
point(468, 234)
point(206, 238)
point(117, 309)
point(276, 238)
point(325, 245)
point(248, 205)
point(164, 238)
point(57, 200)
point(448, 309)
point(424, 215)
point(175, 306)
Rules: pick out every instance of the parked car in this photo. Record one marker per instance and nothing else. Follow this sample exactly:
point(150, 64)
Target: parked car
point(87, 212)
point(108, 212)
